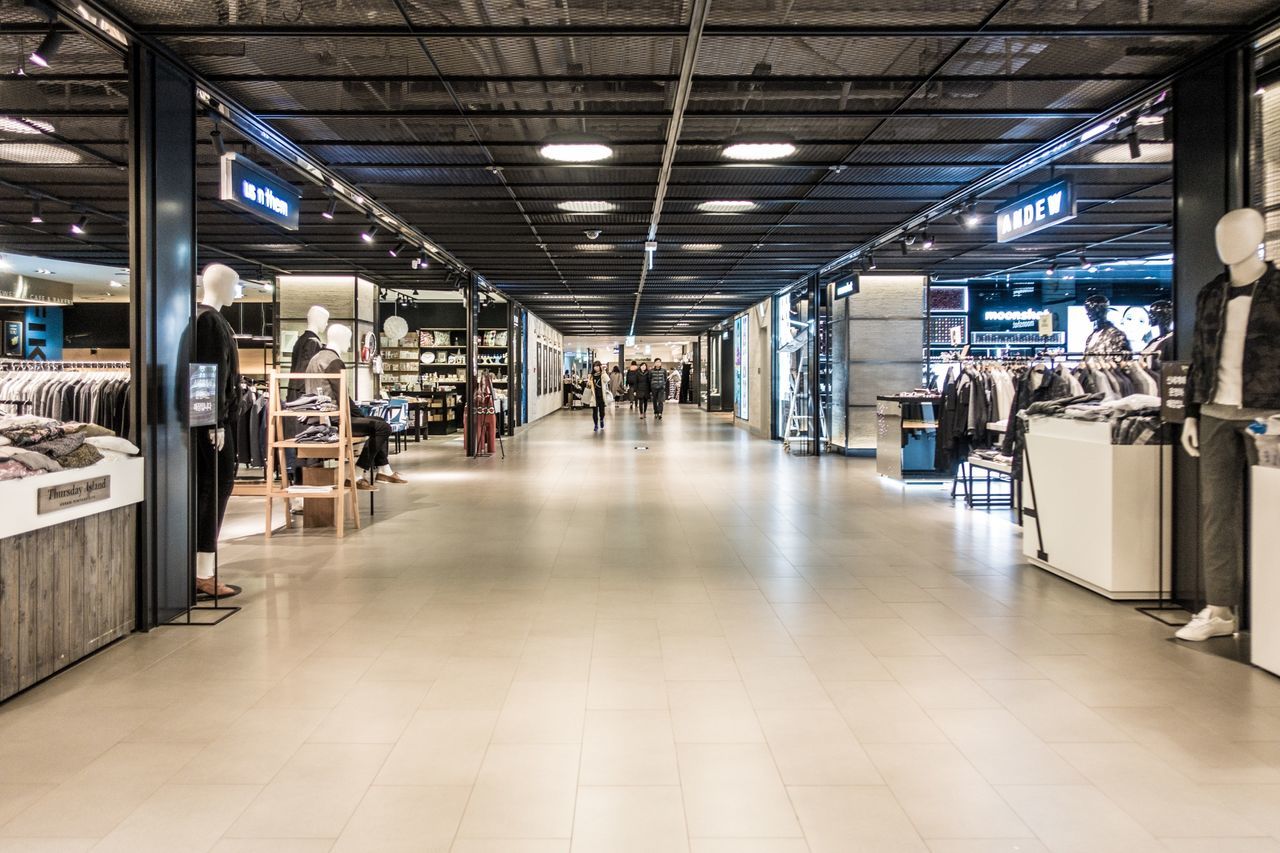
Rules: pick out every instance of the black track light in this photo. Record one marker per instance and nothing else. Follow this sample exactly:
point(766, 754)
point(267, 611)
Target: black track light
point(903, 245)
point(80, 226)
point(48, 46)
point(1052, 270)
point(37, 216)
point(395, 250)
point(415, 291)
point(370, 233)
point(910, 238)
point(927, 241)
point(871, 261)
point(219, 147)
point(1135, 144)
point(331, 209)
point(421, 262)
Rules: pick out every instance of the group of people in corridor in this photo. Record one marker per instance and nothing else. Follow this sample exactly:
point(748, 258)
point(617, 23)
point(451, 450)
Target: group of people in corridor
point(641, 384)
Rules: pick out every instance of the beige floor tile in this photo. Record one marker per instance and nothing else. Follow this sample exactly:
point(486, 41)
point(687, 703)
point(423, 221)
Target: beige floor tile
point(524, 791)
point(402, 818)
point(333, 764)
point(180, 819)
point(47, 845)
point(299, 811)
point(510, 845)
point(854, 820)
point(627, 748)
point(1003, 750)
point(273, 845)
point(713, 712)
point(629, 820)
point(542, 712)
point(883, 712)
point(816, 747)
point(441, 748)
point(1078, 819)
point(748, 845)
point(734, 791)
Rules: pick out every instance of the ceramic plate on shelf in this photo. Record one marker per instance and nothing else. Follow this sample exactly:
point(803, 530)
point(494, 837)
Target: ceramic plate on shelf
point(428, 357)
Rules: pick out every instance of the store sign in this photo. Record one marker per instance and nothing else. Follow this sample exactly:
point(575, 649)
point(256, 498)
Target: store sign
point(252, 188)
point(66, 495)
point(1045, 206)
point(1173, 391)
point(846, 288)
point(202, 396)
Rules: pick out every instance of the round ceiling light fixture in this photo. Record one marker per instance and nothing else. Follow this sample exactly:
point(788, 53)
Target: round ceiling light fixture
point(727, 206)
point(757, 147)
point(587, 206)
point(39, 153)
point(576, 149)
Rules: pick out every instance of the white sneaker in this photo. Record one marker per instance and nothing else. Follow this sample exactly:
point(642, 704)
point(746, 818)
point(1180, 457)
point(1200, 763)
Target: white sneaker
point(1204, 625)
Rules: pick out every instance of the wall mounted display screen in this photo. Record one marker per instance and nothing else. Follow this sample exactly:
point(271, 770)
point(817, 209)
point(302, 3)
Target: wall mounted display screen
point(741, 359)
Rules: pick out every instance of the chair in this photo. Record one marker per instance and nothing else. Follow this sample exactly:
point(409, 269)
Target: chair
point(396, 414)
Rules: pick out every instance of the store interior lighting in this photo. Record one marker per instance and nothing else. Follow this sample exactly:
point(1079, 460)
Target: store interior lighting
point(80, 226)
point(332, 209)
point(47, 48)
point(927, 242)
point(422, 261)
point(371, 233)
point(576, 150)
point(759, 149)
point(395, 250)
point(587, 206)
point(726, 206)
point(37, 215)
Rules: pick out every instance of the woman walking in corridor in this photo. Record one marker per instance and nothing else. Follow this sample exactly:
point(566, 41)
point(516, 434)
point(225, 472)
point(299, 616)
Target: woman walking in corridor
point(642, 388)
point(595, 389)
point(658, 387)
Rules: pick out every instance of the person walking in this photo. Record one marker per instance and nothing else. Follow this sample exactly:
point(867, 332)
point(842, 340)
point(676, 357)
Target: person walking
point(595, 389)
point(632, 377)
point(617, 387)
point(642, 388)
point(658, 387)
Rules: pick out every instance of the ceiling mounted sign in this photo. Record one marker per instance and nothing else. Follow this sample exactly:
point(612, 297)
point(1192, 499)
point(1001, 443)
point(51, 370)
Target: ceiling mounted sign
point(1045, 206)
point(253, 189)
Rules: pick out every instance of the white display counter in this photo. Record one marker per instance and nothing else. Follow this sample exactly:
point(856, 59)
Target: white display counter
point(21, 498)
point(1097, 508)
point(1264, 570)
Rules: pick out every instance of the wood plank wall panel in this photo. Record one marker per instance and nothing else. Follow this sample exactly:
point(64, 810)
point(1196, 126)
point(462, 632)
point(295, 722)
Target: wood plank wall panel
point(65, 591)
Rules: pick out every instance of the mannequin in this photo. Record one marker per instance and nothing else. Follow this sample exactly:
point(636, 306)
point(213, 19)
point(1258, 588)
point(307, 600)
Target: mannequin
point(1105, 339)
point(305, 348)
point(215, 344)
point(1234, 377)
point(378, 431)
point(1161, 314)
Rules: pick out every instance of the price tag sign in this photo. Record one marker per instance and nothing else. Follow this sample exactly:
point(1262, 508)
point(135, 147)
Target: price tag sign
point(1173, 392)
point(202, 396)
point(1046, 323)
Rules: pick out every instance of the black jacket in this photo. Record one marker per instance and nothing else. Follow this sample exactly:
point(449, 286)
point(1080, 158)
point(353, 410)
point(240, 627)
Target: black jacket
point(1261, 369)
point(658, 380)
point(631, 377)
point(304, 349)
point(643, 382)
point(216, 344)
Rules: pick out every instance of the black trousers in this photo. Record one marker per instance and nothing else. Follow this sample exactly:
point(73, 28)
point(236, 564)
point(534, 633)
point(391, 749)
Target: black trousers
point(213, 492)
point(375, 449)
point(659, 398)
point(597, 411)
point(644, 403)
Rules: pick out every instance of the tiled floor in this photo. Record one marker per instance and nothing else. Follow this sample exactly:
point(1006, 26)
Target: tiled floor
point(705, 646)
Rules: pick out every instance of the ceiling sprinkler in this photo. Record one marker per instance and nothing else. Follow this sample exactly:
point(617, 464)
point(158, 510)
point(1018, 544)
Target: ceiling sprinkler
point(593, 234)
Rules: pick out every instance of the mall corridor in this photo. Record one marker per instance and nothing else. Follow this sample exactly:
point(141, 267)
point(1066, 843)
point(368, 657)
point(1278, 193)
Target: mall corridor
point(666, 637)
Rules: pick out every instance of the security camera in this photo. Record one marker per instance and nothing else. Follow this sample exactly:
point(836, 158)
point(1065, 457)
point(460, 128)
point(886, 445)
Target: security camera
point(592, 234)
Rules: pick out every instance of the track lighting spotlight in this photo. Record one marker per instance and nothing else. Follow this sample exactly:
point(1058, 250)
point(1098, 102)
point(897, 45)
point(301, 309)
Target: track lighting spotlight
point(331, 209)
point(902, 244)
point(1135, 144)
point(37, 216)
point(395, 250)
point(422, 261)
point(909, 239)
point(415, 291)
point(1052, 270)
point(871, 261)
point(927, 242)
point(219, 146)
point(80, 226)
point(371, 233)
point(48, 46)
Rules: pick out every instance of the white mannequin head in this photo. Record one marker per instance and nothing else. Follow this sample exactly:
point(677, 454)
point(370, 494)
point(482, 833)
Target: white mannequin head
point(219, 284)
point(1238, 235)
point(317, 319)
point(338, 338)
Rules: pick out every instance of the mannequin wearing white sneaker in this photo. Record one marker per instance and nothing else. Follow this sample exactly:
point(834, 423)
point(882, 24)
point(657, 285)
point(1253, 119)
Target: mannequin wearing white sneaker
point(1229, 384)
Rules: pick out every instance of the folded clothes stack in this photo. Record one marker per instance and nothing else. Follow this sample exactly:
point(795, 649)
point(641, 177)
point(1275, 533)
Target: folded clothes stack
point(318, 434)
point(34, 445)
point(312, 403)
point(1134, 419)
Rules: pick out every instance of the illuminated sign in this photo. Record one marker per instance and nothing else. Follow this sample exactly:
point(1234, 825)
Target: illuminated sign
point(1045, 206)
point(846, 288)
point(252, 188)
point(1029, 314)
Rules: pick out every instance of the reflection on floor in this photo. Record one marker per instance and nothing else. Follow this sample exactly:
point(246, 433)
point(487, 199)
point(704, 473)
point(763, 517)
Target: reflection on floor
point(706, 646)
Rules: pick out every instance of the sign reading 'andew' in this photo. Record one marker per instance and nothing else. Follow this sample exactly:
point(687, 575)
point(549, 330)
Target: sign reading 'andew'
point(1046, 205)
point(252, 188)
point(66, 495)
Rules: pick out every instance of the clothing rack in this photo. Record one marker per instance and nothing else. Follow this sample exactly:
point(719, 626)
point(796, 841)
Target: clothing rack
point(36, 366)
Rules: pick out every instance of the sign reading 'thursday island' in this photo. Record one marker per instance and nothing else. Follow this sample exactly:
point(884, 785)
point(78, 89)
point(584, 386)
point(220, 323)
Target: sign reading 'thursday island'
point(1046, 205)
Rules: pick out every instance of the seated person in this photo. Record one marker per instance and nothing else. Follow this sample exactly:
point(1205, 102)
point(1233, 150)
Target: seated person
point(377, 430)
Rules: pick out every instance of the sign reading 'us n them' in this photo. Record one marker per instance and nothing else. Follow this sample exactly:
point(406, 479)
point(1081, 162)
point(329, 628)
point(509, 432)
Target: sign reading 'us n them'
point(1045, 206)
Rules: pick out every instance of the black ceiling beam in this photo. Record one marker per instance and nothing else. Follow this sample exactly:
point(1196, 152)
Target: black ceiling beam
point(808, 165)
point(681, 31)
point(649, 143)
point(658, 115)
point(789, 79)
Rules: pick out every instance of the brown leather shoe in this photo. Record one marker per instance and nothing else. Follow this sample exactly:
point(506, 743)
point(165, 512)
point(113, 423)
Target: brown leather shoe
point(391, 478)
point(363, 485)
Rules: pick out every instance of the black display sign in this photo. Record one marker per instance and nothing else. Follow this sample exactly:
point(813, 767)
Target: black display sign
point(1045, 206)
point(202, 396)
point(848, 287)
point(1173, 391)
point(252, 188)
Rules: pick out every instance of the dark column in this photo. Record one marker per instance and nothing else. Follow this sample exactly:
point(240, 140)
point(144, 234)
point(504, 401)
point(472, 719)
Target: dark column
point(1210, 177)
point(163, 263)
point(471, 301)
point(815, 372)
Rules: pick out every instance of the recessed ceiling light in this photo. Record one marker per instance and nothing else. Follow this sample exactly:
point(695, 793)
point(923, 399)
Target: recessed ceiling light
point(40, 153)
point(43, 271)
point(701, 247)
point(594, 247)
point(115, 283)
point(576, 149)
point(25, 126)
point(726, 206)
point(587, 206)
point(759, 148)
point(601, 277)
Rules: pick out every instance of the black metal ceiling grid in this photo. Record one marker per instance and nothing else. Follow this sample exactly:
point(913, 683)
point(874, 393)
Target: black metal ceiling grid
point(353, 84)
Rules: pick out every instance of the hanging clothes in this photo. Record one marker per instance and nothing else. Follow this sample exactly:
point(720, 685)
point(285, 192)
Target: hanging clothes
point(84, 396)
